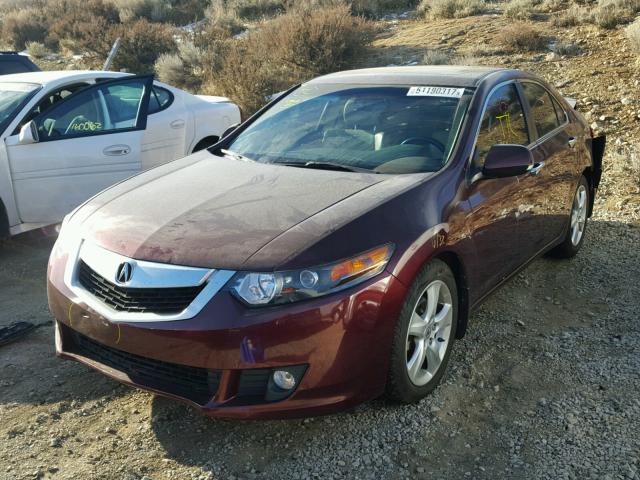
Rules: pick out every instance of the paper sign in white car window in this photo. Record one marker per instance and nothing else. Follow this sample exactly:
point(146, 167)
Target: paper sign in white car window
point(435, 92)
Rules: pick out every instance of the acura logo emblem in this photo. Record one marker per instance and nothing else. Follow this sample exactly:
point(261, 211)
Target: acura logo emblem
point(124, 273)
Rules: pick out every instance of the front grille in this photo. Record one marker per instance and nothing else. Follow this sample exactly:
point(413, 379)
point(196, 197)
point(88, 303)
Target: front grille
point(196, 384)
point(162, 301)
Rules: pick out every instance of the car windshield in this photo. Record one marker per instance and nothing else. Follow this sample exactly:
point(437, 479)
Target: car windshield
point(387, 129)
point(12, 96)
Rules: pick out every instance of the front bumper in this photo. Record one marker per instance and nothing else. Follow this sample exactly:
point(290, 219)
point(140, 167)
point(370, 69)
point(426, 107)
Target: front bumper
point(220, 360)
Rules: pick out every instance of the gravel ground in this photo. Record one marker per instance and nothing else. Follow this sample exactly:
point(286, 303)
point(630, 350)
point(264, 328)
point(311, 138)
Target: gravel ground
point(544, 385)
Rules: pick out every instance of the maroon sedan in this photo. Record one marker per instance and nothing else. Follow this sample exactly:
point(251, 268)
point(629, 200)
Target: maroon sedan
point(329, 249)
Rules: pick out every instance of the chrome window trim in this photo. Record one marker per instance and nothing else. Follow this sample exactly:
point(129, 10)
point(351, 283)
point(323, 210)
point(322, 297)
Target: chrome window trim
point(150, 275)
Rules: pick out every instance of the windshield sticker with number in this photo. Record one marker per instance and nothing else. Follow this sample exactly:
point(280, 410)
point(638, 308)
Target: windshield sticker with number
point(435, 92)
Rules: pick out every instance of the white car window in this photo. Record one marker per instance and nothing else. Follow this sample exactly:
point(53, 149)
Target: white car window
point(107, 108)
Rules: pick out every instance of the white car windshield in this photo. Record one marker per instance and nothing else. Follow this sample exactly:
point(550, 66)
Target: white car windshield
point(12, 97)
point(381, 128)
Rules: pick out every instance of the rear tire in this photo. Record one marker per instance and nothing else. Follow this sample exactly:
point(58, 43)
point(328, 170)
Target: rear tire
point(574, 237)
point(424, 334)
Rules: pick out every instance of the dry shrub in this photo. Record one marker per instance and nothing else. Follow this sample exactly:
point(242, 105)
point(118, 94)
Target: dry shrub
point(289, 49)
point(152, 10)
point(522, 37)
point(359, 7)
point(170, 69)
point(77, 22)
point(22, 26)
point(436, 57)
point(451, 8)
point(567, 49)
point(222, 19)
point(187, 11)
point(142, 43)
point(250, 9)
point(37, 49)
point(182, 69)
point(633, 34)
point(550, 6)
point(441, 57)
point(520, 9)
point(574, 15)
point(611, 13)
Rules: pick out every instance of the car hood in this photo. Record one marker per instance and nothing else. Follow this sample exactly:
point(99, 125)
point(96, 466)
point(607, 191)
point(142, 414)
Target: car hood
point(218, 212)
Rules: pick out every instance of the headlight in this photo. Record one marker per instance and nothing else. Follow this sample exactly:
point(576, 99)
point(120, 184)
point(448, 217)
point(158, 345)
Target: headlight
point(256, 288)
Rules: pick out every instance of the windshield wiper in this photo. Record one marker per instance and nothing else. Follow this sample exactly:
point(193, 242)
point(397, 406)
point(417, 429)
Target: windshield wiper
point(326, 166)
point(236, 156)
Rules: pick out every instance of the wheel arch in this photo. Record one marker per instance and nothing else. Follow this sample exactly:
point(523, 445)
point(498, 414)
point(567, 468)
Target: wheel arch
point(454, 262)
point(205, 142)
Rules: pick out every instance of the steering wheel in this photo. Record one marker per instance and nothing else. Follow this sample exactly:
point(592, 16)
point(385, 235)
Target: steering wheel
point(423, 141)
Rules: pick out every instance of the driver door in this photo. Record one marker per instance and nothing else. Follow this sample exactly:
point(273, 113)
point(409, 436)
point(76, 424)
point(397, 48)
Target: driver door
point(87, 142)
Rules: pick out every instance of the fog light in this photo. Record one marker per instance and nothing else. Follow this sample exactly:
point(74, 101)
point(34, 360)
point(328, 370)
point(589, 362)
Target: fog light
point(284, 380)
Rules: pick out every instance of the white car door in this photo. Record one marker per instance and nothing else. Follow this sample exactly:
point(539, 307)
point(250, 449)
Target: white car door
point(87, 142)
point(168, 127)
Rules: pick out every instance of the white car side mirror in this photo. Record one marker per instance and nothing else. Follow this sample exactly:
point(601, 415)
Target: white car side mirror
point(28, 133)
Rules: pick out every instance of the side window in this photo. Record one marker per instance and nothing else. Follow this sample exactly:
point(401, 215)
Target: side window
point(100, 109)
point(543, 113)
point(48, 101)
point(503, 122)
point(560, 112)
point(160, 99)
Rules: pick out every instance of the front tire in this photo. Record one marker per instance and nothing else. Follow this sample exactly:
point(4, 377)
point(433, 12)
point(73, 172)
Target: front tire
point(574, 237)
point(424, 334)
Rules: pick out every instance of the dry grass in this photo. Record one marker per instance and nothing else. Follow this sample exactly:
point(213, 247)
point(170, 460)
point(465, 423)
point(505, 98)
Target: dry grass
point(442, 57)
point(451, 8)
point(522, 37)
point(574, 15)
point(521, 9)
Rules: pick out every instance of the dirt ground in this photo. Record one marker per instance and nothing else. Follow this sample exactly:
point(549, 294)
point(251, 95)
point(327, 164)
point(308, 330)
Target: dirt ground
point(544, 385)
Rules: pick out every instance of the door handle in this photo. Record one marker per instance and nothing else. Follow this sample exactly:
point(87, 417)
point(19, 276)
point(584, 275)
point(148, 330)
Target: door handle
point(177, 124)
point(116, 150)
point(535, 168)
point(572, 142)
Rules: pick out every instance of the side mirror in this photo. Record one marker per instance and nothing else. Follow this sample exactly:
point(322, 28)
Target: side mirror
point(229, 130)
point(507, 161)
point(28, 133)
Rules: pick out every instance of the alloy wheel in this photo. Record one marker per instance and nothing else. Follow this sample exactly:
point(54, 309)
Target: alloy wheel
point(429, 332)
point(578, 215)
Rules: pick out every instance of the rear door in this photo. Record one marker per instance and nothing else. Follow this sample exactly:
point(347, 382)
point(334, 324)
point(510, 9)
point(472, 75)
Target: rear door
point(165, 138)
point(550, 184)
point(87, 142)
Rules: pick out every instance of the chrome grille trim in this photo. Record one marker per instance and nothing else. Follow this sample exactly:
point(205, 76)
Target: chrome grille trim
point(145, 275)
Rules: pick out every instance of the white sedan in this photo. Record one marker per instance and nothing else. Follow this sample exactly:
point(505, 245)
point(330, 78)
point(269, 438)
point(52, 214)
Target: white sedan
point(68, 135)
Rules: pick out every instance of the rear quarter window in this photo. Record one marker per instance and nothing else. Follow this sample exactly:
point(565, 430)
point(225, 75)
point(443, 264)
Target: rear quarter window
point(160, 99)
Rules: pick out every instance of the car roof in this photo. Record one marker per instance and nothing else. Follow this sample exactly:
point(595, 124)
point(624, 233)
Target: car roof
point(440, 75)
point(58, 76)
